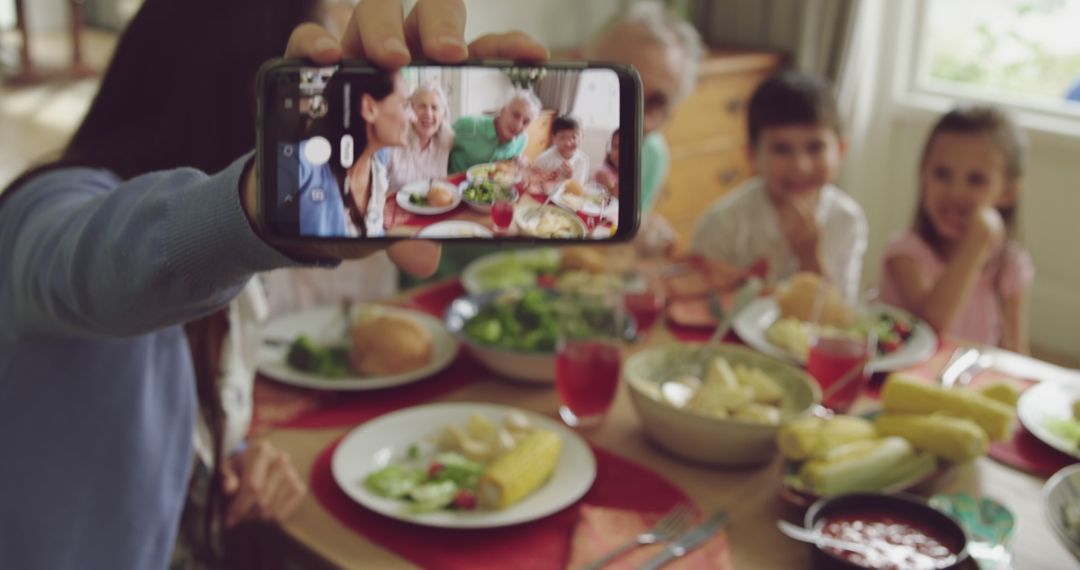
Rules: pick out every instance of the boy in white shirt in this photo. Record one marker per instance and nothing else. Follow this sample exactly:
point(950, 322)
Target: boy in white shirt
point(564, 158)
point(790, 213)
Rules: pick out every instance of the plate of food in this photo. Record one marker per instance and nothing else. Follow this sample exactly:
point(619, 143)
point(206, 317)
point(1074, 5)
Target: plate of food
point(454, 229)
point(570, 268)
point(505, 173)
point(1051, 411)
point(375, 347)
point(589, 199)
point(549, 222)
point(780, 326)
point(429, 197)
point(923, 431)
point(464, 465)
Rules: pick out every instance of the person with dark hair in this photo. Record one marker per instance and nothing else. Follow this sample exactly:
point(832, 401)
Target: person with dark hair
point(120, 257)
point(564, 159)
point(607, 174)
point(959, 268)
point(335, 201)
point(790, 214)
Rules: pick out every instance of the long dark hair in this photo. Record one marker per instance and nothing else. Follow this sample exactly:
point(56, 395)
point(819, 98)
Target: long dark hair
point(975, 120)
point(345, 92)
point(180, 92)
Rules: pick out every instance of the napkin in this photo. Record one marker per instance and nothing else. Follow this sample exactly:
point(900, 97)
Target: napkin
point(600, 530)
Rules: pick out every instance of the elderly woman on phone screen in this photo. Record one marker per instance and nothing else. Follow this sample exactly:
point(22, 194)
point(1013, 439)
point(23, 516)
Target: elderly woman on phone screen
point(427, 149)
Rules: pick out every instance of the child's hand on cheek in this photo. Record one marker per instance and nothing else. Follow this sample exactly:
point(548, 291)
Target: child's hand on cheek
point(566, 170)
point(986, 228)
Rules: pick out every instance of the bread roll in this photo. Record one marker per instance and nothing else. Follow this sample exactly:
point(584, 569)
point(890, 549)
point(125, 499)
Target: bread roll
point(574, 187)
point(583, 258)
point(389, 344)
point(439, 196)
point(797, 295)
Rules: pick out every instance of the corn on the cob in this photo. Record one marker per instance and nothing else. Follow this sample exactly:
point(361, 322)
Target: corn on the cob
point(905, 394)
point(956, 439)
point(519, 472)
point(812, 436)
point(865, 465)
point(1003, 391)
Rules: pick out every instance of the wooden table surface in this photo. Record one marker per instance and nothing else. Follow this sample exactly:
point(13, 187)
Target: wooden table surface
point(749, 495)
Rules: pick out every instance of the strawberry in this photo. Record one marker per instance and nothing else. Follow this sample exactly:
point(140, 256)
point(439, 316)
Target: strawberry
point(434, 469)
point(465, 500)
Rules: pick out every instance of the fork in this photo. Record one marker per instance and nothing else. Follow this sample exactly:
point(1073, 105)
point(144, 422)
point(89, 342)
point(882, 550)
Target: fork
point(674, 522)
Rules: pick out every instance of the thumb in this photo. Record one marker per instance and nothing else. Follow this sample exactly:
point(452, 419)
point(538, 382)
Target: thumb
point(230, 481)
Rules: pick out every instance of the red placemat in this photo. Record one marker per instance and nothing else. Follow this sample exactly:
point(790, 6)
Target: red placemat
point(540, 544)
point(396, 216)
point(281, 405)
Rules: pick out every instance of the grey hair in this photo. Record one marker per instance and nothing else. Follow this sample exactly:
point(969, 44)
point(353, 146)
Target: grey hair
point(665, 28)
point(446, 132)
point(526, 96)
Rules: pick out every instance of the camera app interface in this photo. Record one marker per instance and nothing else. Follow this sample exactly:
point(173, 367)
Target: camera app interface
point(443, 152)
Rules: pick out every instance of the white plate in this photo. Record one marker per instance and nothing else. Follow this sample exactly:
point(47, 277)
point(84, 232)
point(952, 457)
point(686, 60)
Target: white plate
point(1044, 401)
point(588, 207)
point(324, 326)
point(454, 229)
point(422, 188)
point(470, 277)
point(379, 442)
point(752, 322)
point(528, 218)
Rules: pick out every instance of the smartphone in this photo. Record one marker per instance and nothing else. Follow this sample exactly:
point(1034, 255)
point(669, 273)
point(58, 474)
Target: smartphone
point(477, 151)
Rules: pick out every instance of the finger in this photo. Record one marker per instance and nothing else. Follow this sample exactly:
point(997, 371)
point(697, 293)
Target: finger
point(229, 480)
point(276, 486)
point(289, 494)
point(312, 42)
point(252, 483)
point(417, 258)
point(436, 29)
point(511, 45)
point(376, 33)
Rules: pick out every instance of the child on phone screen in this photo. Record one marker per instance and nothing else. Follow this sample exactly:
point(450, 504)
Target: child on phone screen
point(959, 268)
point(607, 175)
point(564, 159)
point(790, 214)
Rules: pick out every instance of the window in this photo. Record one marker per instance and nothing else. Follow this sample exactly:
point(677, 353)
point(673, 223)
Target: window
point(1021, 53)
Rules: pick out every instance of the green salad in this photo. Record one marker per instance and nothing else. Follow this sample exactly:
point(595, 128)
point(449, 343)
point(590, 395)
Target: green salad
point(517, 269)
point(484, 191)
point(534, 320)
point(418, 199)
point(446, 482)
point(329, 361)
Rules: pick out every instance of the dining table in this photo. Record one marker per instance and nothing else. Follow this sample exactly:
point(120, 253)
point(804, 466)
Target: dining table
point(751, 496)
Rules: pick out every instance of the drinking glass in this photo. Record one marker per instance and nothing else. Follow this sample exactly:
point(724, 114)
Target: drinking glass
point(502, 210)
point(839, 358)
point(588, 357)
point(645, 300)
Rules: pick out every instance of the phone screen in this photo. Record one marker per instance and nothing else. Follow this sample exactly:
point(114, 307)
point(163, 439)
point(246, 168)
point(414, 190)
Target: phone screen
point(449, 152)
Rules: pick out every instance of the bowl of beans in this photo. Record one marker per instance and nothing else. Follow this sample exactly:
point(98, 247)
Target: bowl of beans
point(878, 531)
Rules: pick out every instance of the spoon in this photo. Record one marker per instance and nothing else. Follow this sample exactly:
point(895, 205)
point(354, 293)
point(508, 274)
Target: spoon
point(747, 293)
point(813, 537)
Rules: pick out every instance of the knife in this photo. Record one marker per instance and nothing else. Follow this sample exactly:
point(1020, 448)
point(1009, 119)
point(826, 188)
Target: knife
point(688, 541)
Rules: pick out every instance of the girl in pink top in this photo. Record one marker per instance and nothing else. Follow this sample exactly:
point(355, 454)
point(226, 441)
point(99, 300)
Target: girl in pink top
point(608, 173)
point(959, 269)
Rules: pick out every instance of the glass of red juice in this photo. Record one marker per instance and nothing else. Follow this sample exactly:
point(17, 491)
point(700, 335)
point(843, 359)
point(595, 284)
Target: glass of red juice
point(645, 303)
point(588, 363)
point(502, 211)
point(839, 361)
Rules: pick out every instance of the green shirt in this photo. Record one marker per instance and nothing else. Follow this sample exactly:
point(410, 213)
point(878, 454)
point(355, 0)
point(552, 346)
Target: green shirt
point(655, 162)
point(475, 142)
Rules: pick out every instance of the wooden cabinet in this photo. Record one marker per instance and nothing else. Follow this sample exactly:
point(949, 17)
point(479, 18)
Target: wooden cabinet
point(539, 134)
point(707, 136)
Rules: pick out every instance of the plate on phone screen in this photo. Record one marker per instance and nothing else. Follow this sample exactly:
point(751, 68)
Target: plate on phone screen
point(454, 229)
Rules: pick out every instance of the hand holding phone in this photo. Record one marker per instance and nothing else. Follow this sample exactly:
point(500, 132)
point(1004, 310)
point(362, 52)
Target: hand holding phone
point(357, 153)
point(378, 32)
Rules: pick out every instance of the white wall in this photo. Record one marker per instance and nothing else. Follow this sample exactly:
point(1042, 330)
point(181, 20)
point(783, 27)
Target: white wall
point(881, 174)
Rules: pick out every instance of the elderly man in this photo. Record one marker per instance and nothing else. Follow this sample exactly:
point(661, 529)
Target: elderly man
point(488, 139)
point(665, 50)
